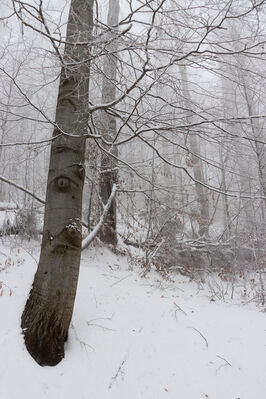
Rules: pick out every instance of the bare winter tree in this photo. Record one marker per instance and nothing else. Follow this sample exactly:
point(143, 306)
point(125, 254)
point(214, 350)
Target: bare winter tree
point(48, 310)
point(173, 141)
point(108, 170)
point(201, 191)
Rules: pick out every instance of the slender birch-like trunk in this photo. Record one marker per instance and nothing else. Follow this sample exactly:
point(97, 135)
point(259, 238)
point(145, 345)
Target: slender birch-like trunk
point(259, 147)
point(201, 191)
point(48, 311)
point(108, 123)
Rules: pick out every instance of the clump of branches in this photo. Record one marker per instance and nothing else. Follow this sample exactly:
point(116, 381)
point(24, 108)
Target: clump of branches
point(26, 223)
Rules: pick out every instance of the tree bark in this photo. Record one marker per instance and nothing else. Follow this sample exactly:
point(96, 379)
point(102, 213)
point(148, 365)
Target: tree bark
point(108, 175)
point(201, 191)
point(259, 148)
point(48, 311)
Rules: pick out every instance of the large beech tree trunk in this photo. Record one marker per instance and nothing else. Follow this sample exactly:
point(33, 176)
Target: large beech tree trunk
point(48, 311)
point(108, 127)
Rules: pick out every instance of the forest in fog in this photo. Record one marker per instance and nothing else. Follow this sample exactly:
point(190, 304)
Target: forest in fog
point(157, 107)
point(188, 112)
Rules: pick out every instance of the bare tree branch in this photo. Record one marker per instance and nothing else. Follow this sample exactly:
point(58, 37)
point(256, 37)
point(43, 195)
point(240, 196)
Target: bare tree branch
point(12, 183)
point(86, 242)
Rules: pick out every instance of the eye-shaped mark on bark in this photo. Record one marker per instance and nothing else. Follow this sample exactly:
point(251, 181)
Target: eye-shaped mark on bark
point(58, 148)
point(62, 183)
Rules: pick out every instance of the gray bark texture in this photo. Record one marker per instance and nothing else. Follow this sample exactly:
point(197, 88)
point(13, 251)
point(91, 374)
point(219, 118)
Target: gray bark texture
point(201, 191)
point(48, 311)
point(108, 127)
point(259, 147)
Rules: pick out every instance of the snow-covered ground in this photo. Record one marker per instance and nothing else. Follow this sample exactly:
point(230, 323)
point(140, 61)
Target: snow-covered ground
point(133, 337)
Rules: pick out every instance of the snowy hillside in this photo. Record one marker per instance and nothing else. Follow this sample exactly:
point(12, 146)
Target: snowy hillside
point(133, 337)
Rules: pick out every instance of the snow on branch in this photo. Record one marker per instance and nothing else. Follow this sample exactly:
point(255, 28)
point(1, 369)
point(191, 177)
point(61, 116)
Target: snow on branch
point(86, 242)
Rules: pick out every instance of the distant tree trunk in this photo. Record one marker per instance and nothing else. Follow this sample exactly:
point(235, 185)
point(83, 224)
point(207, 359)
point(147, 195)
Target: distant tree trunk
point(3, 132)
point(201, 191)
point(48, 311)
point(108, 175)
point(245, 185)
point(226, 213)
point(223, 159)
point(259, 148)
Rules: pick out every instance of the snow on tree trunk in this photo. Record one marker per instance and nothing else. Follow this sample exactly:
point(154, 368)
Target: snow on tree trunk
point(48, 311)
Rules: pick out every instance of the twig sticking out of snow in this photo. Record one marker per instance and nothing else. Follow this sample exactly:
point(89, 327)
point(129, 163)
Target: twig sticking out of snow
point(119, 281)
point(179, 308)
point(83, 344)
point(86, 242)
point(119, 371)
point(226, 361)
point(89, 323)
point(206, 342)
point(223, 365)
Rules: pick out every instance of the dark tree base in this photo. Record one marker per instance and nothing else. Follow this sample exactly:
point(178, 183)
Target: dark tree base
point(48, 352)
point(44, 338)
